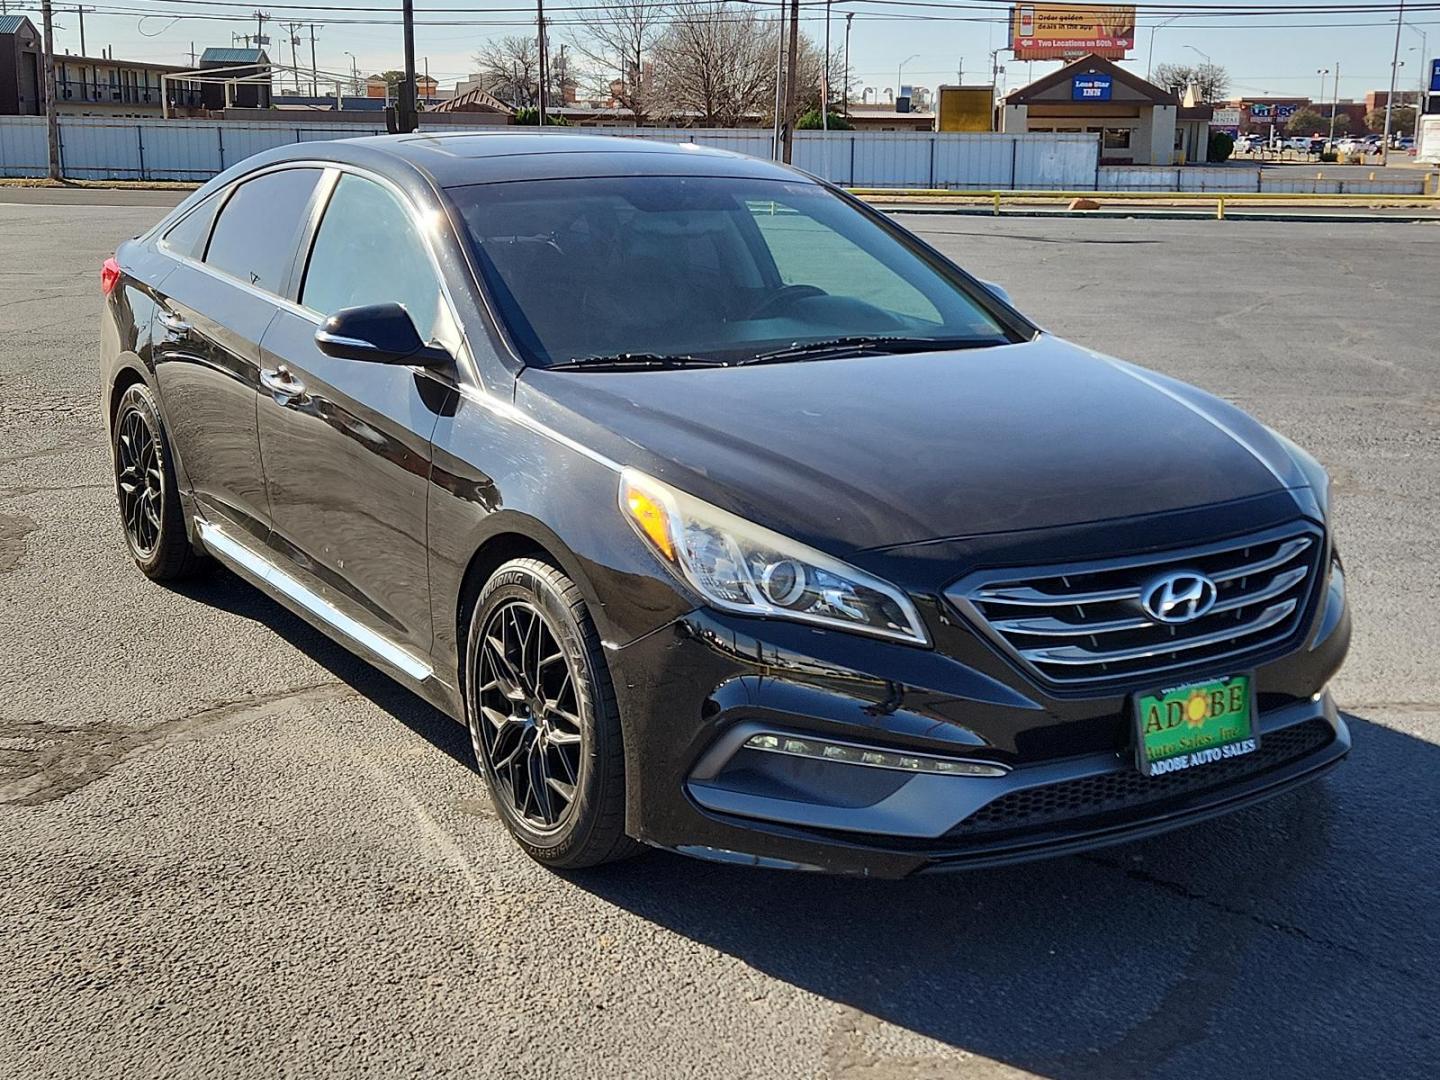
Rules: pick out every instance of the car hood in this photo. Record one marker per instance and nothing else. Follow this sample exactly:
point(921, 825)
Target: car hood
point(875, 451)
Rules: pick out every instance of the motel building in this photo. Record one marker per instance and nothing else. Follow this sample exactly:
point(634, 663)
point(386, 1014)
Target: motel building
point(1138, 122)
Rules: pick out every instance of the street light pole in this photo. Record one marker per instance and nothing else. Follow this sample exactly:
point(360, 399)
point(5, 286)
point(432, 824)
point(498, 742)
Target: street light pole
point(1334, 103)
point(900, 72)
point(1394, 73)
point(848, 17)
point(1150, 57)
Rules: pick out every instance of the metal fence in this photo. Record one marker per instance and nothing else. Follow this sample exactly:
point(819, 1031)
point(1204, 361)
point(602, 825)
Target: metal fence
point(113, 149)
point(153, 149)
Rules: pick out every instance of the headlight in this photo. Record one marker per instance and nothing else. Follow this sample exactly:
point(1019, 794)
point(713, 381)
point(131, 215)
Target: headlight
point(739, 566)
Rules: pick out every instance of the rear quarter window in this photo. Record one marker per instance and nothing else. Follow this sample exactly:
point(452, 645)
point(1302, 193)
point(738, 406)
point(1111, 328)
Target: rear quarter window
point(188, 235)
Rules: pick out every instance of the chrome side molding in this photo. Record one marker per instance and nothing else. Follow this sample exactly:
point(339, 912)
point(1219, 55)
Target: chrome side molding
point(241, 557)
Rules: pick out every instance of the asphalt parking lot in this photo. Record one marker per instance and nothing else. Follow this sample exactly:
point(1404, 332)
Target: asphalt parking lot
point(230, 848)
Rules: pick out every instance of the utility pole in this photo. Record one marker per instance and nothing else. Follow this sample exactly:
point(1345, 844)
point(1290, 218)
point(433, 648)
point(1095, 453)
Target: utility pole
point(825, 77)
point(793, 62)
point(52, 119)
point(1394, 73)
point(849, 15)
point(314, 67)
point(406, 115)
point(260, 20)
point(292, 31)
point(80, 10)
point(540, 41)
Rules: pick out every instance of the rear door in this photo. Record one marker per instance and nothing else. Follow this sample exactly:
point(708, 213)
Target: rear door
point(234, 265)
point(346, 443)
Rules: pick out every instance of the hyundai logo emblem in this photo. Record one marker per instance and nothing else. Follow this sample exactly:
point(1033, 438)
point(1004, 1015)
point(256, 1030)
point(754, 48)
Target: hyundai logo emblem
point(1178, 597)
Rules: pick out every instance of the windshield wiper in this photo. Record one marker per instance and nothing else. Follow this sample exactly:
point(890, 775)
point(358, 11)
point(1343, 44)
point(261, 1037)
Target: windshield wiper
point(844, 346)
point(634, 362)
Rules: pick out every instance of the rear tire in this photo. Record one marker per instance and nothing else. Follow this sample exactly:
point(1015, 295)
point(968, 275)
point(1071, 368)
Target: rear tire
point(543, 718)
point(146, 490)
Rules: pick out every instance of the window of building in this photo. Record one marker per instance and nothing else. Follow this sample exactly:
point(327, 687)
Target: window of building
point(368, 252)
point(254, 239)
point(1116, 139)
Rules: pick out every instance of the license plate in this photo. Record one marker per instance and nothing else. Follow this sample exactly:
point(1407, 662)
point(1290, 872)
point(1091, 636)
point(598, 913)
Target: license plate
point(1188, 727)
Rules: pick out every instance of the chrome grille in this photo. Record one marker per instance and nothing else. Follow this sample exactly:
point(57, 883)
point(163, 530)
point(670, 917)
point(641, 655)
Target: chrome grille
point(1084, 623)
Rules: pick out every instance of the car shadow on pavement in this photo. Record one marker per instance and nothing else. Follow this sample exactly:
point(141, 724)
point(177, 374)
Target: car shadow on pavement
point(226, 592)
point(1295, 938)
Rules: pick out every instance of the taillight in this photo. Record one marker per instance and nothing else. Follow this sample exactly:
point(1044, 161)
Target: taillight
point(109, 275)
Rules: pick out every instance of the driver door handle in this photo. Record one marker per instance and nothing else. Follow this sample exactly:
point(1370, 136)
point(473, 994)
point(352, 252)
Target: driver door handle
point(282, 384)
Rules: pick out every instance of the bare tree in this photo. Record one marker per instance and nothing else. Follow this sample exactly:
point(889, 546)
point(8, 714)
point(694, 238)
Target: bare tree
point(715, 65)
point(615, 41)
point(510, 68)
point(1211, 80)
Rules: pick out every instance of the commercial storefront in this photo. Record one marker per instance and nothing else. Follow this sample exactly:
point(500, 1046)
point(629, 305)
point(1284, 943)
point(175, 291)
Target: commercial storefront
point(1138, 122)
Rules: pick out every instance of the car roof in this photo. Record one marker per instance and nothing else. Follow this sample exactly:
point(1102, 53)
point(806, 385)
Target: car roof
point(455, 159)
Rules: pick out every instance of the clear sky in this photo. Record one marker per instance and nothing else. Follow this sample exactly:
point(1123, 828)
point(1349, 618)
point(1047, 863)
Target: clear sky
point(1275, 53)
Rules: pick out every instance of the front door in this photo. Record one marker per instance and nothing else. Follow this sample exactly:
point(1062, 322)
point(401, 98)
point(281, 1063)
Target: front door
point(345, 443)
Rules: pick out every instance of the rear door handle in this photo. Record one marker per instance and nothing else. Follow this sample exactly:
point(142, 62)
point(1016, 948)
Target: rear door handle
point(175, 326)
point(282, 384)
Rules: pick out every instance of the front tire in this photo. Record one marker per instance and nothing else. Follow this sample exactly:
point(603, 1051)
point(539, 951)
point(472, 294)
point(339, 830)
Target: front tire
point(543, 718)
point(146, 490)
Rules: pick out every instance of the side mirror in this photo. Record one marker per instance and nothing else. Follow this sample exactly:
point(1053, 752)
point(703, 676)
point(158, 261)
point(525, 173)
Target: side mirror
point(998, 291)
point(378, 334)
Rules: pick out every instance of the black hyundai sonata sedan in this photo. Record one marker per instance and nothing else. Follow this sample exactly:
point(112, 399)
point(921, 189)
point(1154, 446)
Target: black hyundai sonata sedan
point(729, 516)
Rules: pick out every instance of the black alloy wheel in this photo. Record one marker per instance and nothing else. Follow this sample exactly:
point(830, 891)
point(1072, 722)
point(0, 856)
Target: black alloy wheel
point(530, 711)
point(140, 481)
point(146, 490)
point(543, 718)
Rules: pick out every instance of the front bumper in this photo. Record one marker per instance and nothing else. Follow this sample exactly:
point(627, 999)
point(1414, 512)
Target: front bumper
point(691, 693)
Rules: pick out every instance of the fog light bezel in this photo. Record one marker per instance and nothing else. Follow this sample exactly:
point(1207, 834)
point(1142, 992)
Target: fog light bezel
point(843, 752)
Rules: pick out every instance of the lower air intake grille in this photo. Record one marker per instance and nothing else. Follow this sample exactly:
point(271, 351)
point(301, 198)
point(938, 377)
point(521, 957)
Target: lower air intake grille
point(1088, 624)
point(1127, 789)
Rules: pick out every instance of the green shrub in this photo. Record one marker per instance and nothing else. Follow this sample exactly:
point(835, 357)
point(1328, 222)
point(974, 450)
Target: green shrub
point(810, 121)
point(1220, 148)
point(1330, 156)
point(530, 115)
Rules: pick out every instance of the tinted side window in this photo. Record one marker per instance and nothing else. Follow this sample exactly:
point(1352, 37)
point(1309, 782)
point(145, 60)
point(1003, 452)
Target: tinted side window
point(188, 236)
point(254, 239)
point(368, 252)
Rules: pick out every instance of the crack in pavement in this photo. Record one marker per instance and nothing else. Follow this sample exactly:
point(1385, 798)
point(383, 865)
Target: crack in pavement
point(41, 762)
point(1290, 929)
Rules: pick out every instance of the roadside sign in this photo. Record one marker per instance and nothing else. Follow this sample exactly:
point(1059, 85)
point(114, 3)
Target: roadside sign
point(1090, 88)
point(1435, 76)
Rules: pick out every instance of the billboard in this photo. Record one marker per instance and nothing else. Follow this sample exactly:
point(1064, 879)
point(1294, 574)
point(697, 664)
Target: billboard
point(1066, 31)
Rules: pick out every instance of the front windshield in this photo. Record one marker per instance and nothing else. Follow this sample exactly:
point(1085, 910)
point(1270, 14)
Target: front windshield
point(719, 268)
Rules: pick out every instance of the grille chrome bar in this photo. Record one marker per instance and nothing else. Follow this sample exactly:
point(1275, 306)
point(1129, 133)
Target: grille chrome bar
point(1084, 623)
point(1032, 597)
point(1074, 654)
point(1287, 552)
